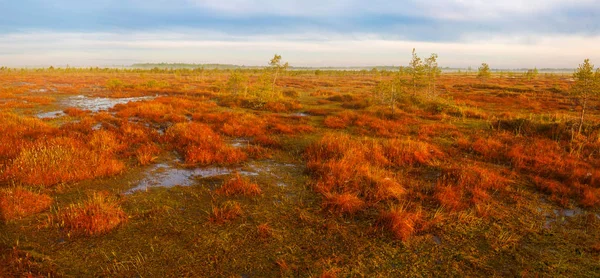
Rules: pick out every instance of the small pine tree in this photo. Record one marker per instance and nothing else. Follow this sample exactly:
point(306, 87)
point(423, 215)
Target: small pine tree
point(484, 72)
point(587, 84)
point(433, 72)
point(276, 67)
point(416, 71)
point(237, 82)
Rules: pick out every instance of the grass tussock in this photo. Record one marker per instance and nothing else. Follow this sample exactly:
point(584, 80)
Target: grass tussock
point(239, 185)
point(19, 202)
point(402, 223)
point(99, 214)
point(229, 211)
point(61, 160)
point(199, 144)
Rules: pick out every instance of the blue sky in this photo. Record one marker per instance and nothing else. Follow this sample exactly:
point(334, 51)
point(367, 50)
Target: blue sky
point(505, 34)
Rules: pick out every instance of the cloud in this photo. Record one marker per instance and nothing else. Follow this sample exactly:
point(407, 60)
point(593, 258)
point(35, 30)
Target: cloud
point(92, 49)
point(341, 32)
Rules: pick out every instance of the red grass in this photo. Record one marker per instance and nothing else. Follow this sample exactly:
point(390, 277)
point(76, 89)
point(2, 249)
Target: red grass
point(402, 223)
point(267, 141)
point(235, 124)
point(264, 230)
point(336, 122)
point(257, 152)
point(591, 197)
point(330, 273)
point(353, 174)
point(147, 154)
point(489, 148)
point(18, 263)
point(227, 212)
point(18, 202)
point(59, 160)
point(75, 112)
point(343, 203)
point(18, 132)
point(201, 145)
point(239, 186)
point(449, 197)
point(98, 215)
point(409, 152)
point(105, 142)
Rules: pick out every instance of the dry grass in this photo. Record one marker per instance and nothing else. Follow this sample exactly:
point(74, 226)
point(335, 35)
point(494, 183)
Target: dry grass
point(98, 215)
point(201, 145)
point(401, 222)
point(19, 202)
point(147, 154)
point(229, 211)
point(477, 158)
point(18, 263)
point(61, 160)
point(264, 231)
point(343, 203)
point(239, 185)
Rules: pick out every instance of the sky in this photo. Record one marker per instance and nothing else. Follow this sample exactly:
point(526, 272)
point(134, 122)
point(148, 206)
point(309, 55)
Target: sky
point(504, 34)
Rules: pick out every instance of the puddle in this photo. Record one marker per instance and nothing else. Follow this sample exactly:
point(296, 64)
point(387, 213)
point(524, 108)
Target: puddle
point(100, 103)
point(22, 84)
point(166, 175)
point(559, 215)
point(239, 142)
point(91, 104)
point(38, 91)
point(300, 114)
point(436, 239)
point(567, 212)
point(51, 114)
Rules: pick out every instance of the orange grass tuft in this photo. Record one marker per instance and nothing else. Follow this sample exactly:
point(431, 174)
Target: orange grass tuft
point(402, 223)
point(264, 230)
point(239, 186)
point(449, 197)
point(75, 112)
point(227, 212)
point(147, 154)
point(201, 145)
point(343, 203)
point(330, 273)
point(18, 202)
point(61, 160)
point(98, 215)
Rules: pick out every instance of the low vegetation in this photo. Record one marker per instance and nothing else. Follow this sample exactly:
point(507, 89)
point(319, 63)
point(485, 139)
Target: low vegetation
point(278, 172)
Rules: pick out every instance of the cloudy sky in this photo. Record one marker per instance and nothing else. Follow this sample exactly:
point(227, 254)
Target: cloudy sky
point(505, 34)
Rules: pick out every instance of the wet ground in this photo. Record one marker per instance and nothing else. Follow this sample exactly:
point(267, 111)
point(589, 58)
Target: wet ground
point(170, 172)
point(93, 104)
